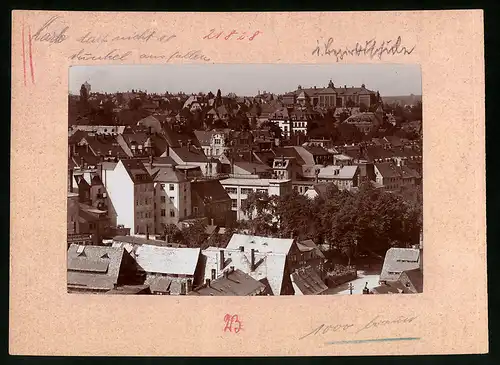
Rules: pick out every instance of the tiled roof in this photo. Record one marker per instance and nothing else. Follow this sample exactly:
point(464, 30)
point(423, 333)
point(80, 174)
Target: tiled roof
point(237, 283)
point(190, 155)
point(262, 244)
point(166, 174)
point(204, 137)
point(309, 245)
point(389, 169)
point(269, 268)
point(416, 277)
point(347, 172)
point(130, 289)
point(167, 260)
point(93, 267)
point(128, 242)
point(308, 281)
point(398, 260)
point(136, 170)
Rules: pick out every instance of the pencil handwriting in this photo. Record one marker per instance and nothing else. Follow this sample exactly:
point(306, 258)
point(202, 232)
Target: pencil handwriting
point(370, 48)
point(376, 323)
point(52, 31)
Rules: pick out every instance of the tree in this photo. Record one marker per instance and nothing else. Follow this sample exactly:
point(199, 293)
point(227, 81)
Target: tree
point(135, 104)
point(194, 235)
point(172, 233)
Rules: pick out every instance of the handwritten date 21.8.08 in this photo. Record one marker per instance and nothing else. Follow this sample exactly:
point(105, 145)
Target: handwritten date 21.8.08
point(231, 35)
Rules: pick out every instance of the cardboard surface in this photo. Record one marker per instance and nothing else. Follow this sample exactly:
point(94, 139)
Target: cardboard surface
point(449, 317)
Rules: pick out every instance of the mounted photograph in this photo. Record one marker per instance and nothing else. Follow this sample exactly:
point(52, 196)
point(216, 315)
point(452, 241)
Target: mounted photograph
point(245, 179)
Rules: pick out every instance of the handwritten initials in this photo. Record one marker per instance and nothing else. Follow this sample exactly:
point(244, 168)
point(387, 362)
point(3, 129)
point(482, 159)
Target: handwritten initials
point(233, 324)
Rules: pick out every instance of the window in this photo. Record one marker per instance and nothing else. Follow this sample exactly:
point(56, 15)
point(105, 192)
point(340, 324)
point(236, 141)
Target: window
point(171, 187)
point(172, 213)
point(195, 210)
point(162, 186)
point(232, 190)
point(163, 212)
point(162, 199)
point(234, 203)
point(137, 203)
point(217, 141)
point(246, 190)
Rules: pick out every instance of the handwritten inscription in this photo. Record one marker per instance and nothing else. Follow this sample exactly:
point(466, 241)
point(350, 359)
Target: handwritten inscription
point(376, 322)
point(148, 35)
point(370, 48)
point(232, 323)
point(113, 55)
point(232, 34)
point(51, 31)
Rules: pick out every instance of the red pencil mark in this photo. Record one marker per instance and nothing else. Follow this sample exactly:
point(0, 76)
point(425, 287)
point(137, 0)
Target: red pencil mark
point(31, 57)
point(233, 324)
point(24, 57)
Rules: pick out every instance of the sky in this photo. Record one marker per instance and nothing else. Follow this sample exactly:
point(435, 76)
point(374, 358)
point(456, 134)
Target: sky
point(246, 79)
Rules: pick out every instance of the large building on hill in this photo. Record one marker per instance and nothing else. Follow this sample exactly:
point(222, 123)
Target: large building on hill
point(331, 96)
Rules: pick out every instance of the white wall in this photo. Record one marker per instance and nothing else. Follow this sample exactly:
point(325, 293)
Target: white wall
point(120, 189)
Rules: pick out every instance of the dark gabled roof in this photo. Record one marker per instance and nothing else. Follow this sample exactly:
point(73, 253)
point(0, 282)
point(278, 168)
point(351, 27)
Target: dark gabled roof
point(166, 174)
point(251, 166)
point(175, 134)
point(209, 190)
point(190, 154)
point(137, 171)
point(416, 278)
point(308, 281)
point(389, 170)
point(237, 283)
point(308, 246)
point(105, 145)
point(317, 150)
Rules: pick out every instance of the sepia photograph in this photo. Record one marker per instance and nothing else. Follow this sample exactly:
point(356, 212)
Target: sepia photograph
point(245, 179)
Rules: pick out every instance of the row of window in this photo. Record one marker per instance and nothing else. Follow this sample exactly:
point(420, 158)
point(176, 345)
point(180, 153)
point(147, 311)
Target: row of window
point(144, 187)
point(142, 215)
point(244, 190)
point(144, 201)
point(170, 187)
point(172, 213)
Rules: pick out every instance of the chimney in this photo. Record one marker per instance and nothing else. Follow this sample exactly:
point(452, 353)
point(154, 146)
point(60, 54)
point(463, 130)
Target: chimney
point(151, 161)
point(254, 171)
point(70, 180)
point(242, 248)
point(167, 151)
point(207, 282)
point(189, 145)
point(147, 231)
point(252, 257)
point(180, 142)
point(221, 263)
point(81, 162)
point(149, 130)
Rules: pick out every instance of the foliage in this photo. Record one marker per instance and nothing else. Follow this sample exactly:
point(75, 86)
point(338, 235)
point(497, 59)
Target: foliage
point(194, 235)
point(172, 233)
point(368, 220)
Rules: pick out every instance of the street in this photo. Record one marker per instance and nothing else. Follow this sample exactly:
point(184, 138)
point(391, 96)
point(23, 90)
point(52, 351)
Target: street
point(358, 284)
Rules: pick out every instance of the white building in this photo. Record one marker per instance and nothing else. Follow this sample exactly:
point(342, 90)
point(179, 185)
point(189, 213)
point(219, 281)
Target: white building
point(239, 188)
point(172, 195)
point(131, 195)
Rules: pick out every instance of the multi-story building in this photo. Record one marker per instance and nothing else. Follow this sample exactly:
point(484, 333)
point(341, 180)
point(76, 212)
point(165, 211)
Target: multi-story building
point(239, 188)
point(172, 195)
point(394, 176)
point(130, 191)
